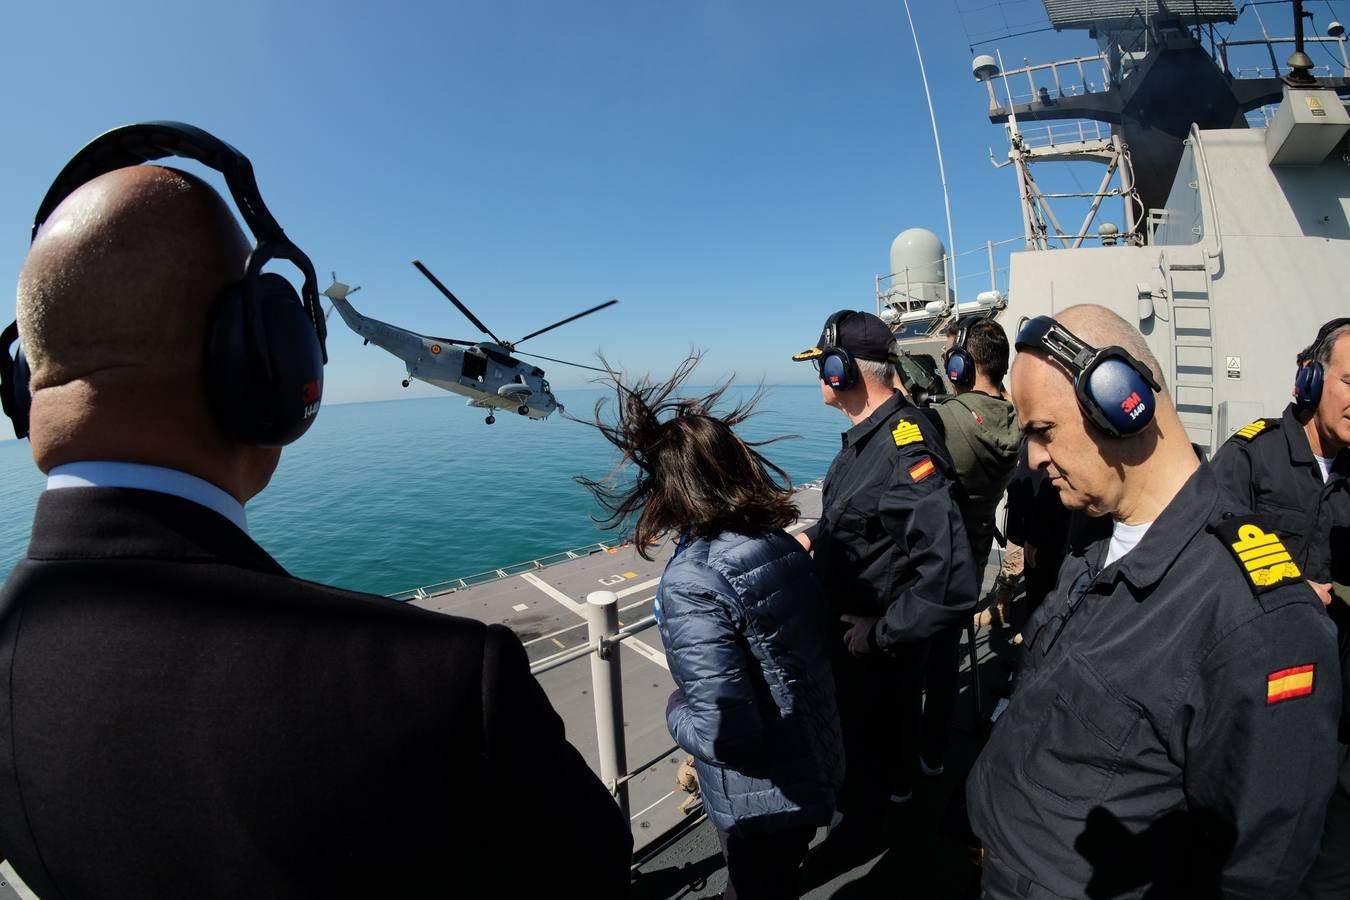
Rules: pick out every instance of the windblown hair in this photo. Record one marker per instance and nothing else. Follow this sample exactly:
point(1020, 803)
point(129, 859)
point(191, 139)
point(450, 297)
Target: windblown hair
point(694, 476)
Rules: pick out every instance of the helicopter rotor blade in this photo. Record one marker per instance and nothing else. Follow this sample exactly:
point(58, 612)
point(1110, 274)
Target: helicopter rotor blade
point(563, 361)
point(569, 319)
point(455, 300)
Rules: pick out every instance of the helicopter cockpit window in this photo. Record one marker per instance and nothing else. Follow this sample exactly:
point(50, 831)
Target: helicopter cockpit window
point(475, 366)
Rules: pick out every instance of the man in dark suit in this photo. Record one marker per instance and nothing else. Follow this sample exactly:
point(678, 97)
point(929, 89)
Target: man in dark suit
point(179, 717)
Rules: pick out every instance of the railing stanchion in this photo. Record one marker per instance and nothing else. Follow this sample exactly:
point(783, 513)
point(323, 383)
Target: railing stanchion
point(602, 622)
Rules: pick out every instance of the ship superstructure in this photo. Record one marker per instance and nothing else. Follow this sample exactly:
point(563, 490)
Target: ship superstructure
point(1232, 239)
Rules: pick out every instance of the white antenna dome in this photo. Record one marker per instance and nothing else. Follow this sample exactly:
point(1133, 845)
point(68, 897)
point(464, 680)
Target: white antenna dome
point(984, 67)
point(917, 256)
point(1335, 29)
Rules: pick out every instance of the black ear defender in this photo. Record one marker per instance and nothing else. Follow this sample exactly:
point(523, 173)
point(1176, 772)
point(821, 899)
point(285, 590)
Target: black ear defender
point(837, 368)
point(265, 344)
point(1308, 378)
point(1114, 390)
point(15, 397)
point(960, 365)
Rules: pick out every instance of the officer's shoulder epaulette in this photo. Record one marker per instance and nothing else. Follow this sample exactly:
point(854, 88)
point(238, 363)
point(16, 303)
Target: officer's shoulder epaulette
point(906, 432)
point(1255, 429)
point(1259, 552)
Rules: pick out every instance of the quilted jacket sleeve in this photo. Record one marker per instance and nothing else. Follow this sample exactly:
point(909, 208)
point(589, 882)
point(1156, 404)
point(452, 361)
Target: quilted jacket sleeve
point(718, 720)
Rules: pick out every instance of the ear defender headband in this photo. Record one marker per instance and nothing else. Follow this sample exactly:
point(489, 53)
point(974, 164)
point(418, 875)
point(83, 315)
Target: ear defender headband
point(1308, 378)
point(265, 345)
point(1114, 390)
point(837, 368)
point(959, 363)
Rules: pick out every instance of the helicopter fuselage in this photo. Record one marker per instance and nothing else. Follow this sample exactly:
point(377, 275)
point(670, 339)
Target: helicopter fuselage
point(486, 373)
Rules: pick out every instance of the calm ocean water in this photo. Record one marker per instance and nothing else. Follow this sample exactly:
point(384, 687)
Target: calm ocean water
point(385, 497)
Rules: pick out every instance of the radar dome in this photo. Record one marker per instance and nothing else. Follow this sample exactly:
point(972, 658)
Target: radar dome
point(917, 257)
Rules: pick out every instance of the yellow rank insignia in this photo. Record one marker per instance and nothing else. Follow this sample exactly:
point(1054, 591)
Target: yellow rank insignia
point(1247, 432)
point(906, 432)
point(1262, 555)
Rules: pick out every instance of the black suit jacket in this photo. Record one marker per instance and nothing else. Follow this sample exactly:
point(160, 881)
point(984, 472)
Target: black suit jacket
point(180, 718)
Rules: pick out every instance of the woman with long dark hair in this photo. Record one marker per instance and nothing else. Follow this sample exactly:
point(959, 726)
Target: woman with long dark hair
point(743, 622)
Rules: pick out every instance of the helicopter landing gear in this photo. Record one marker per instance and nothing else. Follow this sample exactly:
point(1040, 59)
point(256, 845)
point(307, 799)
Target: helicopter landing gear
point(523, 410)
point(490, 419)
point(405, 382)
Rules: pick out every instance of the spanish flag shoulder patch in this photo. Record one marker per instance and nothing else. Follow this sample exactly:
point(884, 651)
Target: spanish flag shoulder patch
point(1261, 554)
point(906, 432)
point(1260, 426)
point(1287, 684)
point(921, 470)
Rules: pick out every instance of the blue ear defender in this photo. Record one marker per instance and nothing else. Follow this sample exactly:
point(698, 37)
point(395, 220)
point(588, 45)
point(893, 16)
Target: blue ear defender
point(1308, 378)
point(1114, 390)
point(960, 365)
point(265, 347)
point(837, 368)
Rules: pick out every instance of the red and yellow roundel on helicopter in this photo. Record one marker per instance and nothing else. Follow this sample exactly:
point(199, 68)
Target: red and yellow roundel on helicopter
point(435, 348)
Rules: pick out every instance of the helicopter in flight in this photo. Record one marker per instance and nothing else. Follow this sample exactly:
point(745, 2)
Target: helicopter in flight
point(487, 372)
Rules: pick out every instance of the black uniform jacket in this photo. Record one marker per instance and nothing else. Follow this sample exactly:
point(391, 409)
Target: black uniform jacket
point(181, 718)
point(1270, 464)
point(1173, 727)
point(890, 541)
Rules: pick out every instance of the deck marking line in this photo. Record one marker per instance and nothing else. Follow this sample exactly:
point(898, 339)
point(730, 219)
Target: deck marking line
point(556, 594)
point(544, 637)
point(634, 588)
point(657, 803)
point(647, 651)
point(624, 609)
point(521, 607)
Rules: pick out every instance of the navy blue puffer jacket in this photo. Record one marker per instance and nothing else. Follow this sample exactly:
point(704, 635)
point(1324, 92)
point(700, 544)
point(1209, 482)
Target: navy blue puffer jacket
point(744, 626)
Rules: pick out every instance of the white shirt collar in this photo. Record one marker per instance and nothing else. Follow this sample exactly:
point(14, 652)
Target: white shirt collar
point(148, 478)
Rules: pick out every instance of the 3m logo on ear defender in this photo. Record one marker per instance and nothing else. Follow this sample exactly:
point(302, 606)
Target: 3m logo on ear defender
point(1262, 555)
point(309, 395)
point(1134, 405)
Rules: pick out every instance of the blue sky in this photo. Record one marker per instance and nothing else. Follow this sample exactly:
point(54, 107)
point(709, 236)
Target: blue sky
point(733, 171)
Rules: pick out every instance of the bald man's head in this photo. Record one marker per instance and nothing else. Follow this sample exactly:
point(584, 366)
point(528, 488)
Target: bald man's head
point(122, 276)
point(114, 300)
point(1125, 477)
point(1101, 327)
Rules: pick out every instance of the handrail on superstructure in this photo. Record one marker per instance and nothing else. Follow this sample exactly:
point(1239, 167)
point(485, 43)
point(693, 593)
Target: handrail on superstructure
point(1213, 218)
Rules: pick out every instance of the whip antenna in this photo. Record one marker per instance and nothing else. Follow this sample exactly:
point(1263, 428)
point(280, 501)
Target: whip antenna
point(948, 275)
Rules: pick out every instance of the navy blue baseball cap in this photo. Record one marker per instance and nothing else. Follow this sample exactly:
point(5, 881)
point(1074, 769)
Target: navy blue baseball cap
point(862, 334)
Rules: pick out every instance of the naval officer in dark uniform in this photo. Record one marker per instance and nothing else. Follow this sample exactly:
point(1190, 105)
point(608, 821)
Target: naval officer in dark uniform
point(1172, 733)
point(1293, 471)
point(893, 557)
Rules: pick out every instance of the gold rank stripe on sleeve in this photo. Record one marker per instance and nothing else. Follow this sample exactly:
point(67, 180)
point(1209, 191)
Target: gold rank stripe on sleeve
point(906, 432)
point(921, 470)
point(1263, 556)
point(1289, 683)
point(1247, 432)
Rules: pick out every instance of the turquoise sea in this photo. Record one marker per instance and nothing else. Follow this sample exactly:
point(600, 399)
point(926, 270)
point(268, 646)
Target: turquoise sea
point(389, 496)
